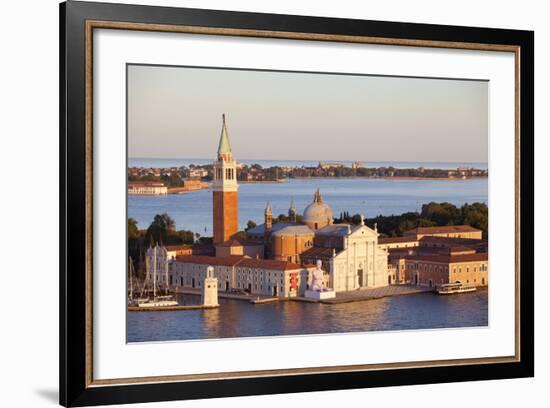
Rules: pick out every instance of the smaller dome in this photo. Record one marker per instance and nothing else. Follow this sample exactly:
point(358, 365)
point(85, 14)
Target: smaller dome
point(318, 214)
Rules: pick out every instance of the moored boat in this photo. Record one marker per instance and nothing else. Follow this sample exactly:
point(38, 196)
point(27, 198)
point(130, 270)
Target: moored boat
point(454, 288)
point(152, 303)
point(150, 298)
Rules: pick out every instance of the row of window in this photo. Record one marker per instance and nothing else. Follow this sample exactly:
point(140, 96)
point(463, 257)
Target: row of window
point(436, 268)
point(229, 174)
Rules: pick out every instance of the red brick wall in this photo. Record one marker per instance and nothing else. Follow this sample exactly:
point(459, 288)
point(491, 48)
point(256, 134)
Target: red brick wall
point(226, 215)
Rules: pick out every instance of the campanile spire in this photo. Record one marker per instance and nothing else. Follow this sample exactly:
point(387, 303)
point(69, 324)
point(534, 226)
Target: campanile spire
point(224, 147)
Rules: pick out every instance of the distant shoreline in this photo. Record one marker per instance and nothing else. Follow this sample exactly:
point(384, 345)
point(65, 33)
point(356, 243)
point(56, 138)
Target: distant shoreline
point(390, 178)
point(169, 162)
point(178, 190)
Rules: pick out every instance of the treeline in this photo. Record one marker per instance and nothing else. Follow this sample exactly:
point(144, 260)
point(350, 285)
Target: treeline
point(431, 215)
point(259, 173)
point(162, 230)
point(172, 180)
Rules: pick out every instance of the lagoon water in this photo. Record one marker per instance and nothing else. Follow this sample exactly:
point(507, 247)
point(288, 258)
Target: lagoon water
point(367, 196)
point(371, 197)
point(237, 318)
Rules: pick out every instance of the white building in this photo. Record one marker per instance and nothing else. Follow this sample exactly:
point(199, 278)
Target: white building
point(351, 255)
point(362, 263)
point(147, 188)
point(238, 273)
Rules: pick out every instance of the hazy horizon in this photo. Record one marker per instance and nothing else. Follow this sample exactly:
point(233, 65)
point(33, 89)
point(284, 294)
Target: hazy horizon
point(275, 159)
point(175, 112)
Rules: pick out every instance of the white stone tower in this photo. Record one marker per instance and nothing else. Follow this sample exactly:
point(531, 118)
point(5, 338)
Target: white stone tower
point(209, 293)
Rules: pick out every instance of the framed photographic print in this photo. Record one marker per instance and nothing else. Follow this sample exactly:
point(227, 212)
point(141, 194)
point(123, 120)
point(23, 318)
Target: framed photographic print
point(256, 203)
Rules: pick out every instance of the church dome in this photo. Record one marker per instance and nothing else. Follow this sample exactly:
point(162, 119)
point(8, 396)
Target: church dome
point(318, 214)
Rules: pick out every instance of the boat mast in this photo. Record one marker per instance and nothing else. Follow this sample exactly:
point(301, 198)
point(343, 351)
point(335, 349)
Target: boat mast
point(166, 273)
point(155, 271)
point(147, 277)
point(131, 282)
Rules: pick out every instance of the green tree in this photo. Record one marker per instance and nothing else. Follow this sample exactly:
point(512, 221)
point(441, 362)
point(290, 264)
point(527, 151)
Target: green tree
point(181, 237)
point(159, 229)
point(477, 216)
point(133, 232)
point(205, 240)
point(133, 240)
point(173, 180)
point(249, 225)
point(356, 219)
point(441, 213)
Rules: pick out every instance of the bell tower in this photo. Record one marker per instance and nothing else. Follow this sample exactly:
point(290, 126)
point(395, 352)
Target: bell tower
point(225, 191)
point(268, 216)
point(292, 212)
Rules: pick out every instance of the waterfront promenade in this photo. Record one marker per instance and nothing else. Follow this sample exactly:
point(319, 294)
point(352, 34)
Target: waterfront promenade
point(341, 297)
point(376, 293)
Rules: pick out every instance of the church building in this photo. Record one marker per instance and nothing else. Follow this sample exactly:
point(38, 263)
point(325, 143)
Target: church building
point(277, 258)
point(351, 254)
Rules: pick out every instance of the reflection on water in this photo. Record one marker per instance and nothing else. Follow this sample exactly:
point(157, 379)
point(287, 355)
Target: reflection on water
point(235, 318)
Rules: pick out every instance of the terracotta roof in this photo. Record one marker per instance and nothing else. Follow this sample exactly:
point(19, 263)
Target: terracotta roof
point(460, 249)
point(452, 240)
point(318, 251)
point(235, 260)
point(237, 242)
point(479, 256)
point(394, 240)
point(442, 230)
point(268, 264)
point(210, 260)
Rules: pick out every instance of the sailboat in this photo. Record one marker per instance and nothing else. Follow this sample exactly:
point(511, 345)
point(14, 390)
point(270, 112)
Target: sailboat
point(157, 300)
point(133, 287)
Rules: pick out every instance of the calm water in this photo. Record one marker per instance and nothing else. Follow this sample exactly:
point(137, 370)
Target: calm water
point(236, 318)
point(370, 197)
point(174, 162)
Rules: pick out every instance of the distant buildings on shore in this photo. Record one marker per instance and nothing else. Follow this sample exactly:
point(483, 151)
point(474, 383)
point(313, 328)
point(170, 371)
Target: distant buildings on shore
point(277, 259)
point(257, 173)
point(147, 188)
point(158, 188)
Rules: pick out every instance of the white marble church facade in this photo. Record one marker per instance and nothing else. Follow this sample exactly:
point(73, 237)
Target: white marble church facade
point(362, 263)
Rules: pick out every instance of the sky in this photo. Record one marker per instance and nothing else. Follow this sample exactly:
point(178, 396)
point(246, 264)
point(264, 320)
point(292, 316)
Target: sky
point(176, 112)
